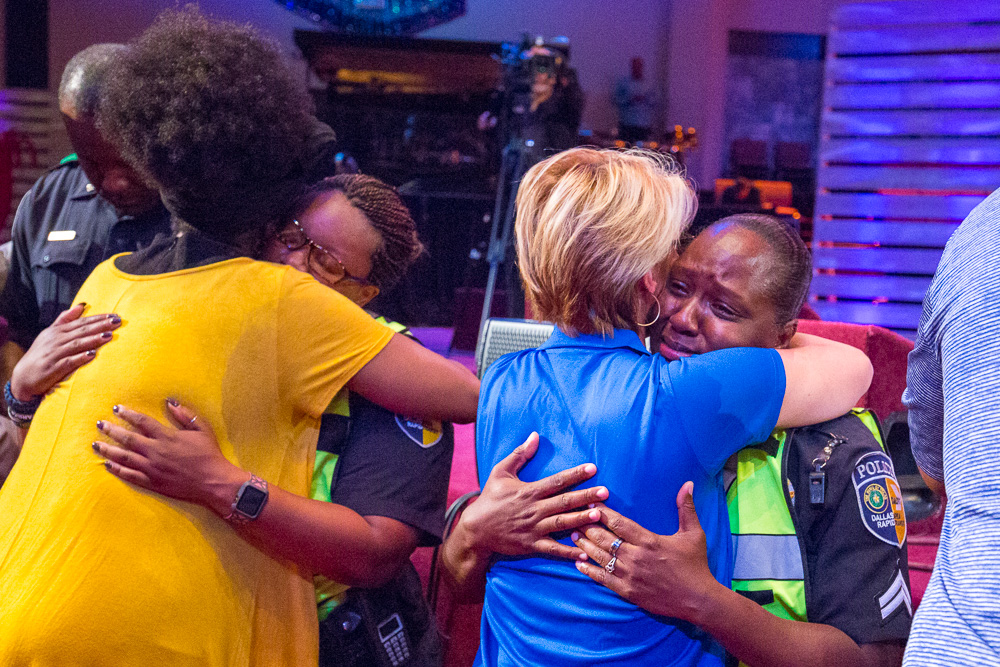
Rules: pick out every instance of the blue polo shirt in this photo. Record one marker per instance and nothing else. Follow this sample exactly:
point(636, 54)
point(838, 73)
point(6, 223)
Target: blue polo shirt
point(649, 426)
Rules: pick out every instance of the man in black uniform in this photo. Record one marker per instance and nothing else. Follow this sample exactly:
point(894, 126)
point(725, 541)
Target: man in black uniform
point(91, 206)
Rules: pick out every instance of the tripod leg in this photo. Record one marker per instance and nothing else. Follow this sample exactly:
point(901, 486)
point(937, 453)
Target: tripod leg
point(499, 231)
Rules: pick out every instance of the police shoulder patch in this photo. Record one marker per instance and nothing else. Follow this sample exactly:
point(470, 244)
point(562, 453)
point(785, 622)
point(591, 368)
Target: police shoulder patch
point(424, 433)
point(880, 499)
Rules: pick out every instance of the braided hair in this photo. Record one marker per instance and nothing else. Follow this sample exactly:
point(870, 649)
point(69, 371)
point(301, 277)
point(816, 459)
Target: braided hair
point(790, 264)
point(387, 214)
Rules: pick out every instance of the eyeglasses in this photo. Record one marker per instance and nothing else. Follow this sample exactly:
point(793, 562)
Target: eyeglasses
point(325, 261)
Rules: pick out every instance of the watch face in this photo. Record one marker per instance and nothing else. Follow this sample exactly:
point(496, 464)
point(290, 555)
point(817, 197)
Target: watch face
point(251, 501)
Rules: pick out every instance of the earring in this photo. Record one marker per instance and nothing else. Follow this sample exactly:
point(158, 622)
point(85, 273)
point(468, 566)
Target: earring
point(654, 319)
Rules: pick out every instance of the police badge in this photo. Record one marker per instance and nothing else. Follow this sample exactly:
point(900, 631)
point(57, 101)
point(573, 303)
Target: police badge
point(879, 498)
point(425, 433)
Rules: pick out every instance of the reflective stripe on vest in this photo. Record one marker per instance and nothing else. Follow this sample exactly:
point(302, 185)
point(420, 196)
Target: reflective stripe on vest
point(767, 552)
point(775, 557)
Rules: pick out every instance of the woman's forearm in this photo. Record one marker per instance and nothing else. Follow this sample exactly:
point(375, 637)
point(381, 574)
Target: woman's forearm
point(318, 536)
point(465, 563)
point(761, 639)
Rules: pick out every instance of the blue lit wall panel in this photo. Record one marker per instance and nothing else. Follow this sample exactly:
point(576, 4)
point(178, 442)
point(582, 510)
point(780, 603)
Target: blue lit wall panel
point(862, 287)
point(881, 177)
point(910, 144)
point(917, 123)
point(962, 150)
point(885, 232)
point(945, 67)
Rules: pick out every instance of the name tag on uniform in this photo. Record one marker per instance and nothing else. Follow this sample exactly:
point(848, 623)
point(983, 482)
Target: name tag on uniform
point(62, 235)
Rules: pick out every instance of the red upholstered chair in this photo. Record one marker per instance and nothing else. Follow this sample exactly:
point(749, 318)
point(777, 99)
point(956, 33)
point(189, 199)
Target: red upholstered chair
point(887, 351)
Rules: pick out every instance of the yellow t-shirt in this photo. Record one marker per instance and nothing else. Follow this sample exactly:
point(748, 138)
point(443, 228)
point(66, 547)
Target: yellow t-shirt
point(94, 571)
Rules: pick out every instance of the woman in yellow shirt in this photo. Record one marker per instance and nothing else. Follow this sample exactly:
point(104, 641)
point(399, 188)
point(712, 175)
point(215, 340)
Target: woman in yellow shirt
point(93, 571)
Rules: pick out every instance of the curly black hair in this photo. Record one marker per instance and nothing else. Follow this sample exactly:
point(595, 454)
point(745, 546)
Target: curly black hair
point(211, 114)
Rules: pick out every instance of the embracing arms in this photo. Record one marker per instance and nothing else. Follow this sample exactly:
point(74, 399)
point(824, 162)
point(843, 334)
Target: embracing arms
point(668, 575)
point(408, 379)
point(514, 517)
point(823, 380)
point(186, 463)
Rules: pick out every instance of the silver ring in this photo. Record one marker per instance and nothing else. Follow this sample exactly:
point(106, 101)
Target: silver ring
point(614, 547)
point(192, 420)
point(610, 567)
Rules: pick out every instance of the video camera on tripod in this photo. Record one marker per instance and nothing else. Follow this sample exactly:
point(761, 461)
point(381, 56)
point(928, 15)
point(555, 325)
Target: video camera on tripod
point(541, 106)
point(523, 61)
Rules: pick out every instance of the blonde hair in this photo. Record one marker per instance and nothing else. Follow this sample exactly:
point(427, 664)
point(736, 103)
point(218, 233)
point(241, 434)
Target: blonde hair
point(590, 223)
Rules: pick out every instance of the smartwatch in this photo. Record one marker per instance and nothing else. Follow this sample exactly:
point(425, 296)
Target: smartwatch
point(249, 501)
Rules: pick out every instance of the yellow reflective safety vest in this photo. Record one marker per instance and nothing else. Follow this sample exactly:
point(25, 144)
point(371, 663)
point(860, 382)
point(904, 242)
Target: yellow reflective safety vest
point(770, 559)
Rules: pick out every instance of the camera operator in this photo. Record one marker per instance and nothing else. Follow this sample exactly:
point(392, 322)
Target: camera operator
point(548, 103)
point(541, 106)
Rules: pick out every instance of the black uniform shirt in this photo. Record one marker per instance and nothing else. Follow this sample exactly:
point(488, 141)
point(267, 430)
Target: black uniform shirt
point(390, 466)
point(63, 229)
point(855, 580)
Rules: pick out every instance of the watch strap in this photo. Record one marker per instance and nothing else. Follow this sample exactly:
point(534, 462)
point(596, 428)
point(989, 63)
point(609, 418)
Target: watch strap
point(238, 516)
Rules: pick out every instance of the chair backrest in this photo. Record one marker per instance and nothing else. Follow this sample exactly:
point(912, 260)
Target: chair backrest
point(501, 336)
point(887, 351)
point(457, 621)
point(792, 155)
point(748, 153)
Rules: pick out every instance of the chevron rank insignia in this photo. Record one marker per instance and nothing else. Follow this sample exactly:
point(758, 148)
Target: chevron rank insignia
point(879, 498)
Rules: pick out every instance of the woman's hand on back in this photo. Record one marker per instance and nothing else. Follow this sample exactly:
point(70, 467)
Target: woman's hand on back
point(68, 343)
point(664, 574)
point(182, 462)
point(517, 518)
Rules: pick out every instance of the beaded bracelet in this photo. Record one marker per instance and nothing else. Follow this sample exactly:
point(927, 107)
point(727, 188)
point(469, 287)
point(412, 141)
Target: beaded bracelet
point(20, 412)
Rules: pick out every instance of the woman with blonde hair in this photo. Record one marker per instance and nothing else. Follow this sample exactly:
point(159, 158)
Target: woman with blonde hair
point(596, 234)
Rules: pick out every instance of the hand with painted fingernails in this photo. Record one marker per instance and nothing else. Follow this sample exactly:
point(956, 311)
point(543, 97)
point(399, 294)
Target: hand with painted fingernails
point(181, 461)
point(663, 574)
point(518, 518)
point(64, 346)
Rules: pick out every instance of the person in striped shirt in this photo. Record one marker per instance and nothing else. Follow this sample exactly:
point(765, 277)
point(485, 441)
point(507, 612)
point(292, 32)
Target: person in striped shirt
point(953, 396)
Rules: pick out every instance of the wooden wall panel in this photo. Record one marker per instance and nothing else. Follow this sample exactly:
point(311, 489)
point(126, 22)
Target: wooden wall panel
point(891, 177)
point(910, 150)
point(864, 14)
point(947, 67)
point(863, 287)
point(884, 232)
point(891, 39)
point(877, 258)
point(910, 144)
point(915, 123)
point(890, 315)
point(915, 207)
